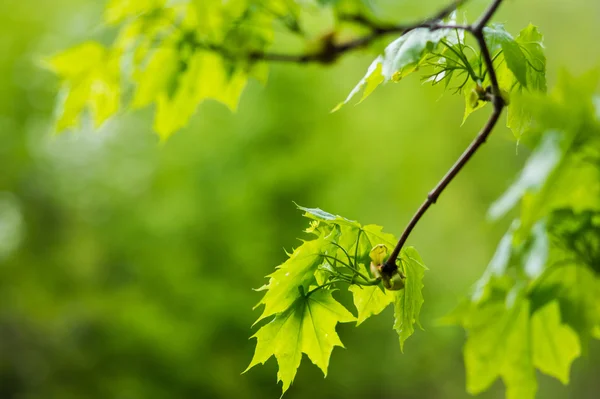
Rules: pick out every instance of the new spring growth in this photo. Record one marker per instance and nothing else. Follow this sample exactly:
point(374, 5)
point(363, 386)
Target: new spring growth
point(393, 281)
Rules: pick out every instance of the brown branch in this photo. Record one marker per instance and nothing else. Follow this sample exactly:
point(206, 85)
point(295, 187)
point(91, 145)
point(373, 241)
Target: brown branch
point(477, 31)
point(485, 18)
point(332, 51)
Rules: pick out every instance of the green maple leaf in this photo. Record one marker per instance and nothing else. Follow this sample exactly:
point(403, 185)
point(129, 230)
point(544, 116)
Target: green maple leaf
point(555, 345)
point(307, 326)
point(531, 42)
point(370, 301)
point(409, 300)
point(90, 79)
point(508, 341)
point(517, 370)
point(576, 289)
point(372, 79)
point(358, 240)
point(499, 345)
point(520, 66)
point(400, 58)
point(513, 330)
point(206, 77)
point(361, 239)
point(472, 100)
point(157, 78)
point(118, 10)
point(305, 323)
point(298, 271)
point(519, 115)
point(498, 38)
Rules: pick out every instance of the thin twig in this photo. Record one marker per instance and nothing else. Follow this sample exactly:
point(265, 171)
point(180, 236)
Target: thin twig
point(331, 51)
point(477, 31)
point(485, 18)
point(489, 64)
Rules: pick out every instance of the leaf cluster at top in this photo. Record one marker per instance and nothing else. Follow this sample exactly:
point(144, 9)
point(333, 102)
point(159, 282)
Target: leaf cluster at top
point(447, 58)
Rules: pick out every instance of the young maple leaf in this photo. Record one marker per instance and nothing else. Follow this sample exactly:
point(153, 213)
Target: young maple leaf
point(307, 326)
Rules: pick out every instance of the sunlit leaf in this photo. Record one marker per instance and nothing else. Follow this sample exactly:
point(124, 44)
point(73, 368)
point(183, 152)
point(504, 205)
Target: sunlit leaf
point(157, 78)
point(407, 306)
point(77, 61)
point(118, 10)
point(472, 100)
point(519, 118)
point(338, 258)
point(518, 371)
point(520, 66)
point(490, 325)
point(90, 78)
point(357, 239)
point(205, 77)
point(367, 84)
point(531, 42)
point(401, 57)
point(555, 345)
point(498, 38)
point(306, 326)
point(293, 276)
point(370, 301)
point(503, 343)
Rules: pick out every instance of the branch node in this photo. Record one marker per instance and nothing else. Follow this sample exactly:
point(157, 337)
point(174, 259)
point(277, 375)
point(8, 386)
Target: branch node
point(433, 196)
point(389, 267)
point(498, 101)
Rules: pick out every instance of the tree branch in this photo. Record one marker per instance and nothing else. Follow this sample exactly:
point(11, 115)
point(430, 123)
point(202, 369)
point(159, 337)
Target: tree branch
point(485, 18)
point(331, 51)
point(498, 102)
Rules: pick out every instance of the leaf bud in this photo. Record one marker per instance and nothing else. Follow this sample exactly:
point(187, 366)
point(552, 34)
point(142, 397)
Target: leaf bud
point(395, 282)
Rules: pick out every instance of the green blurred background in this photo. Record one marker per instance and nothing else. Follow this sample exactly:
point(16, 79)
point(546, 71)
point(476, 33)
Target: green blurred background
point(126, 266)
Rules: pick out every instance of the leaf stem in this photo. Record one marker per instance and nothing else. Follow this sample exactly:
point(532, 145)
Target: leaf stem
point(356, 249)
point(464, 59)
point(337, 260)
point(348, 266)
point(366, 282)
point(327, 284)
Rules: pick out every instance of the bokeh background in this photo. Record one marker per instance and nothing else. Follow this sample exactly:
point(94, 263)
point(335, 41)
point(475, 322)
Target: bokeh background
point(126, 266)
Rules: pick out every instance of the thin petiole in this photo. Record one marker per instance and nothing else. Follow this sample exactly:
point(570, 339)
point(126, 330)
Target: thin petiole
point(336, 260)
point(464, 59)
point(350, 265)
point(356, 249)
